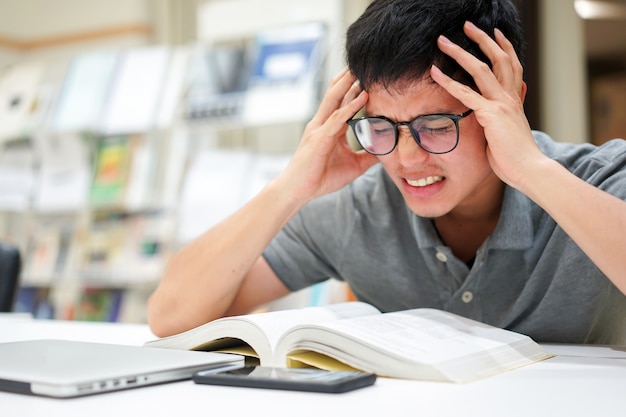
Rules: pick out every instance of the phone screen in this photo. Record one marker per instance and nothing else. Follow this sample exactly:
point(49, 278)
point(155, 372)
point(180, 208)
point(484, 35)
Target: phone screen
point(298, 379)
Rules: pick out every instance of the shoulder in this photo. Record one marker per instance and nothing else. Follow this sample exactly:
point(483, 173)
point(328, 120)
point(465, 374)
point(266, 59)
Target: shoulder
point(571, 152)
point(586, 160)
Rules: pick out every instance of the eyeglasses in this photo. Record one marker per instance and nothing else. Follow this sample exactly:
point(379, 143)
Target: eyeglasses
point(435, 133)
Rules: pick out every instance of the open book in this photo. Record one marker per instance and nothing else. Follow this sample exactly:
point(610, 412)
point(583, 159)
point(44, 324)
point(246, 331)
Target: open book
point(422, 344)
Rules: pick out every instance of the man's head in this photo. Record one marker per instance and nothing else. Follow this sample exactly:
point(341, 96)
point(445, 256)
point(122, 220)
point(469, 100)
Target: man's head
point(391, 49)
point(394, 42)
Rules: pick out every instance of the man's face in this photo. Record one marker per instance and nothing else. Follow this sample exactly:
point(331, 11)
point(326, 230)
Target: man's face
point(434, 185)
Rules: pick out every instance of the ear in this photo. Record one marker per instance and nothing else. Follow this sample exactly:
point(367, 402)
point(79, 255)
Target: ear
point(523, 92)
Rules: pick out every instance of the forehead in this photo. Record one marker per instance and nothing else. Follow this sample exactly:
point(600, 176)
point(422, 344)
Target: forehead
point(406, 100)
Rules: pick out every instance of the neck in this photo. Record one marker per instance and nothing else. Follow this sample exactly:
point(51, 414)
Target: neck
point(466, 227)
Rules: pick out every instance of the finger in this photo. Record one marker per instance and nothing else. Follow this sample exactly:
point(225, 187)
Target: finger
point(354, 91)
point(336, 122)
point(484, 78)
point(337, 90)
point(460, 91)
point(501, 62)
point(518, 69)
point(339, 75)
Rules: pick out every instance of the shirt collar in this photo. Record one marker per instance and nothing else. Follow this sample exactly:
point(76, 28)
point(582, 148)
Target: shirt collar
point(513, 231)
point(515, 227)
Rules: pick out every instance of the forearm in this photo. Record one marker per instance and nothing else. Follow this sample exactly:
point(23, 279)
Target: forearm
point(594, 219)
point(216, 274)
point(201, 280)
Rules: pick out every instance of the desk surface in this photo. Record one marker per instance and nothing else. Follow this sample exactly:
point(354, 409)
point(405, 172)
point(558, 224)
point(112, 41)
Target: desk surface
point(579, 381)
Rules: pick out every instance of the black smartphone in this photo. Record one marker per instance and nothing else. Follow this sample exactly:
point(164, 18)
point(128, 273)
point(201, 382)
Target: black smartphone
point(294, 379)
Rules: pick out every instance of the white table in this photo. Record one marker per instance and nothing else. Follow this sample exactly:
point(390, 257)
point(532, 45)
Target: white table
point(579, 381)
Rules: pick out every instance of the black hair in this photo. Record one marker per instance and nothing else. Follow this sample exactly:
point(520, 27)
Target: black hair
point(395, 41)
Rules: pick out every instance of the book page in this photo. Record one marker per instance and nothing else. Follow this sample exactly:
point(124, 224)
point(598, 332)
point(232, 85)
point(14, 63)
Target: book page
point(307, 359)
point(421, 343)
point(426, 335)
point(275, 323)
point(261, 331)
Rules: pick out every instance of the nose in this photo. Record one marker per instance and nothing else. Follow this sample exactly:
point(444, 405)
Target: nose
point(408, 151)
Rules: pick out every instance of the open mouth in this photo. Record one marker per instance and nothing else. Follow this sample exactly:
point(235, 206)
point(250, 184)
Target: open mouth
point(424, 182)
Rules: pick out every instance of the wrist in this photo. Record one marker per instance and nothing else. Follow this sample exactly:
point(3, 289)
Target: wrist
point(285, 194)
point(538, 177)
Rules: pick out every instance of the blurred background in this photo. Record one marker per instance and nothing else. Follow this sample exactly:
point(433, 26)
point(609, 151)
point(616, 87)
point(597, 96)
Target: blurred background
point(127, 127)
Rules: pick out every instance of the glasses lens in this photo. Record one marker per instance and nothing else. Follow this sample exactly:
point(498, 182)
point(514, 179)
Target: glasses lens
point(375, 135)
point(437, 134)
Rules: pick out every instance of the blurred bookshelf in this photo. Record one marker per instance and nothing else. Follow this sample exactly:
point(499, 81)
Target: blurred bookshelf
point(113, 159)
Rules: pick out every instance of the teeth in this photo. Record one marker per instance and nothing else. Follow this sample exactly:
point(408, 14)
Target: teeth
point(423, 182)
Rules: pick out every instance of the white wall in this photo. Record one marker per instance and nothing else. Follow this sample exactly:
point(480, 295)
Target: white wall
point(44, 29)
point(563, 72)
point(32, 19)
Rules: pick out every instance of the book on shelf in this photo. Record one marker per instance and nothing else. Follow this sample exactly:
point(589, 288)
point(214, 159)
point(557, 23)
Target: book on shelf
point(18, 162)
point(123, 173)
point(283, 84)
point(135, 91)
point(212, 189)
point(218, 182)
point(19, 86)
point(111, 171)
point(419, 344)
point(49, 251)
point(124, 249)
point(64, 174)
point(99, 304)
point(84, 92)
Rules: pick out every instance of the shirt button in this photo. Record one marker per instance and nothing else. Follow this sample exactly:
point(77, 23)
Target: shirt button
point(442, 257)
point(467, 297)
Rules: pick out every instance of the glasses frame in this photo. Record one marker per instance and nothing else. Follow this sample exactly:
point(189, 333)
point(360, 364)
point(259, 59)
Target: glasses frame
point(454, 117)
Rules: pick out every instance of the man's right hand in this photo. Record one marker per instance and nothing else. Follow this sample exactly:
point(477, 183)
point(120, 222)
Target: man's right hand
point(324, 161)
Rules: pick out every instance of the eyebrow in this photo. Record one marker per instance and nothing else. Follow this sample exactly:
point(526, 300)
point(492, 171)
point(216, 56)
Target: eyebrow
point(366, 114)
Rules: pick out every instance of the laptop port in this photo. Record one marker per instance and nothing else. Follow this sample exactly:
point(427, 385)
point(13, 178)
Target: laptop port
point(85, 387)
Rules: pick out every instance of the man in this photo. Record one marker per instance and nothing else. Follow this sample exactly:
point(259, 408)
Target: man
point(456, 204)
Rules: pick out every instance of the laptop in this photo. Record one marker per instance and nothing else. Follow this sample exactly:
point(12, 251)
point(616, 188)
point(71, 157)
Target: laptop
point(63, 368)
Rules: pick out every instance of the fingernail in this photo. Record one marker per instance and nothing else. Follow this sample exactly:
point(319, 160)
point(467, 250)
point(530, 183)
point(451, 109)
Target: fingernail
point(470, 25)
point(443, 39)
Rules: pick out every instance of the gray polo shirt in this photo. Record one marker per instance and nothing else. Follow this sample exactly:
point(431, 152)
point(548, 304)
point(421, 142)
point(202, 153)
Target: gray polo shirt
point(528, 276)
